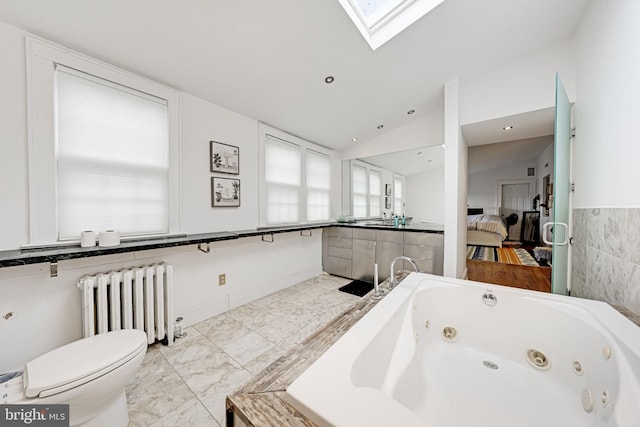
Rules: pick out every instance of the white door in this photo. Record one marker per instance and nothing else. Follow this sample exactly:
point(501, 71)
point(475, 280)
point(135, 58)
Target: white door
point(515, 197)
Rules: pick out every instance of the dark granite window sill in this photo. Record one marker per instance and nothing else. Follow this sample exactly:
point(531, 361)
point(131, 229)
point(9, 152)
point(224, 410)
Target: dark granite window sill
point(53, 254)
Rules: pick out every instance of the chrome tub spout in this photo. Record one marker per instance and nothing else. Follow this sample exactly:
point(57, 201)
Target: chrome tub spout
point(392, 277)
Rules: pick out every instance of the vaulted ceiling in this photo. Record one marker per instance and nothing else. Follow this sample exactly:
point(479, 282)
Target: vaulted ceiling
point(268, 59)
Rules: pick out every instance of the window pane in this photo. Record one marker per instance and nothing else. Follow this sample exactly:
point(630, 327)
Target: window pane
point(397, 196)
point(282, 177)
point(318, 186)
point(112, 157)
point(359, 190)
point(317, 205)
point(375, 190)
point(282, 162)
point(282, 203)
point(318, 170)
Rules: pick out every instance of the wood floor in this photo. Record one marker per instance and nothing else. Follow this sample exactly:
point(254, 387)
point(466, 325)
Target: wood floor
point(517, 276)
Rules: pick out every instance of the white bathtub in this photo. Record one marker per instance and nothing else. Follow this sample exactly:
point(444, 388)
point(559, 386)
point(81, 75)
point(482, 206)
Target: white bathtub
point(396, 368)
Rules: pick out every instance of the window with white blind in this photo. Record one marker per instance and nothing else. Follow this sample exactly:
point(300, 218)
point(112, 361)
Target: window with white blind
point(111, 157)
point(295, 183)
point(283, 180)
point(398, 206)
point(366, 190)
point(103, 148)
point(375, 193)
point(359, 191)
point(318, 186)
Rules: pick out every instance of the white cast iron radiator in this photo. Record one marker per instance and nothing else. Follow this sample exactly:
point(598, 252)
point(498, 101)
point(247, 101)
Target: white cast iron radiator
point(136, 298)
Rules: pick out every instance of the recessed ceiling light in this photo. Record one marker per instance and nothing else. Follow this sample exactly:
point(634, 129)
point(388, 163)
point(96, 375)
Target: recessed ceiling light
point(442, 146)
point(380, 126)
point(429, 161)
point(354, 139)
point(507, 127)
point(419, 153)
point(411, 111)
point(329, 79)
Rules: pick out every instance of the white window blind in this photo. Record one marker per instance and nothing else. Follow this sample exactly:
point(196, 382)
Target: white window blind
point(318, 186)
point(375, 190)
point(397, 196)
point(282, 180)
point(112, 157)
point(359, 191)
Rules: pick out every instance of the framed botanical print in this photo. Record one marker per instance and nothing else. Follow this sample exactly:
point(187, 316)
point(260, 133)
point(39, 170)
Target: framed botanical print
point(225, 192)
point(224, 158)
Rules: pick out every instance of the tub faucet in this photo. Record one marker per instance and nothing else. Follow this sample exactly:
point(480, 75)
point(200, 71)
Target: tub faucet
point(392, 277)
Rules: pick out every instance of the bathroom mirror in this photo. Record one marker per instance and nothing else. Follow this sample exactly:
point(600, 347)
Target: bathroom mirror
point(421, 171)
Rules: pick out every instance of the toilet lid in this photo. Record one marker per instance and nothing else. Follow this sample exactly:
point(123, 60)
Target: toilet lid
point(81, 361)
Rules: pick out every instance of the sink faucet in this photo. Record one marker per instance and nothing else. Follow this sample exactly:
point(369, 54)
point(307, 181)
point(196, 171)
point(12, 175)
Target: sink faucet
point(392, 277)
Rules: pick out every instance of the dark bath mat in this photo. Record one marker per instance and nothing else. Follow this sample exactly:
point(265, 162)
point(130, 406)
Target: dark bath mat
point(357, 287)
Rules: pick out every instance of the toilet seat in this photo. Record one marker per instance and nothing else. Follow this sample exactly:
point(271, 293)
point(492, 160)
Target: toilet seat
point(81, 361)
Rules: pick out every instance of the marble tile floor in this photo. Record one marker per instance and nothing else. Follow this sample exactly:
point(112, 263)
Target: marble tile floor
point(186, 384)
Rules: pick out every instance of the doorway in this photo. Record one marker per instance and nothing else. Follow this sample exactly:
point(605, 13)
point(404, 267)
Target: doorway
point(515, 198)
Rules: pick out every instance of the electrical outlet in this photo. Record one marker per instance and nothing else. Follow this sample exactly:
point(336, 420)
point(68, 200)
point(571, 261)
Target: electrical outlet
point(222, 279)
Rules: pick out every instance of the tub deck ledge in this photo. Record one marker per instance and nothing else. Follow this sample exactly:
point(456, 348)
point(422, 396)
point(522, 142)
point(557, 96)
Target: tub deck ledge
point(261, 402)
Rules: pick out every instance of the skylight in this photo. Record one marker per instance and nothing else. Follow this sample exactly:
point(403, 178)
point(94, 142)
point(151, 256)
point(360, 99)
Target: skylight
point(380, 20)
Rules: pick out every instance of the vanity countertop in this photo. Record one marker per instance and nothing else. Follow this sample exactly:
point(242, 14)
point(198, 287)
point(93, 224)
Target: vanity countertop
point(51, 254)
point(378, 225)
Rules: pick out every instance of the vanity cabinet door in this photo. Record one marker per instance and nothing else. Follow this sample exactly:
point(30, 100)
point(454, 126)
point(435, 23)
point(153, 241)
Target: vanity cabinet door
point(388, 247)
point(364, 256)
point(427, 250)
point(337, 251)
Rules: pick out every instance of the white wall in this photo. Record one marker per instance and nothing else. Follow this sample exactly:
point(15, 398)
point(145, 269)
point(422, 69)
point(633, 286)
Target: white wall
point(484, 190)
point(47, 310)
point(455, 183)
point(483, 186)
point(523, 85)
point(14, 194)
point(425, 196)
point(202, 122)
point(606, 226)
point(426, 130)
point(606, 149)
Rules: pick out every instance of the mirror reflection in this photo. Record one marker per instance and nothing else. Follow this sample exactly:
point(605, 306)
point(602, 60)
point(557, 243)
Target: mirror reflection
point(407, 183)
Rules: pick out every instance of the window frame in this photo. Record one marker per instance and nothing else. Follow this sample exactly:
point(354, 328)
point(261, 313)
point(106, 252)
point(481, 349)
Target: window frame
point(41, 57)
point(304, 146)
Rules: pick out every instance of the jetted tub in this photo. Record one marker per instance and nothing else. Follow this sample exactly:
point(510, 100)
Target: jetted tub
point(444, 352)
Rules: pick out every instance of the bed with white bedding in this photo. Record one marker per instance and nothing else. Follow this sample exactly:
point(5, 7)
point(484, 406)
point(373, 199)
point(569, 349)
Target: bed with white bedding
point(486, 230)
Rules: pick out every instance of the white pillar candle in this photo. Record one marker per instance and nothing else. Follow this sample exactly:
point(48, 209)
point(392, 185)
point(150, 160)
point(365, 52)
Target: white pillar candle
point(375, 274)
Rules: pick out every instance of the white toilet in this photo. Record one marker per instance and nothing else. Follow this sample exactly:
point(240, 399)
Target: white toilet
point(90, 375)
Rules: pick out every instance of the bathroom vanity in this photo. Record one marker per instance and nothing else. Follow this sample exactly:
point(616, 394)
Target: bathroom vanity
point(351, 250)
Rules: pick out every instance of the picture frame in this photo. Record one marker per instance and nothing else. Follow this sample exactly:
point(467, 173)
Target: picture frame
point(225, 192)
point(224, 158)
point(387, 189)
point(387, 202)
